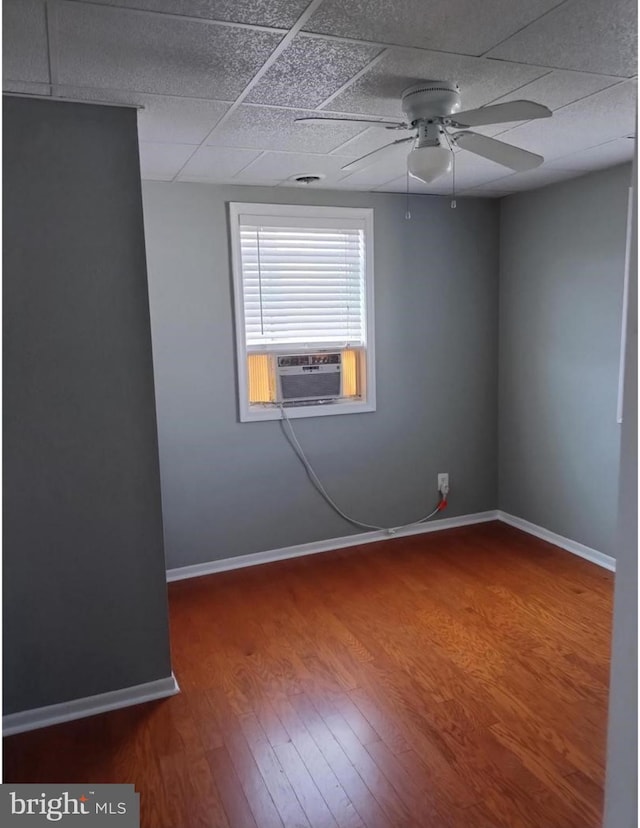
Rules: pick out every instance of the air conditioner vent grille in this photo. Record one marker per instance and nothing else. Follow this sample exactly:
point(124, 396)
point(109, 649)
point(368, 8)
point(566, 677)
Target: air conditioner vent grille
point(303, 386)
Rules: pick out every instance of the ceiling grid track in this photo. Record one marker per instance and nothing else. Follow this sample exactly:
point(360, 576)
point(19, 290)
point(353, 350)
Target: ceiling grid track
point(555, 68)
point(355, 41)
point(337, 150)
point(522, 28)
point(253, 161)
point(280, 48)
point(522, 86)
point(369, 66)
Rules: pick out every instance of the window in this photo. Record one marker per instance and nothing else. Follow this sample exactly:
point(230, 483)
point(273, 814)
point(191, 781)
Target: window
point(303, 288)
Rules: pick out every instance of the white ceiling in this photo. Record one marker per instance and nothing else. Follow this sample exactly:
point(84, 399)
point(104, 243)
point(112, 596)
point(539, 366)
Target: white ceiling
point(222, 81)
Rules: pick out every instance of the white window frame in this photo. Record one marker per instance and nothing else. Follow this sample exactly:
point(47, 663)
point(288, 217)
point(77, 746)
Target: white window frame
point(258, 412)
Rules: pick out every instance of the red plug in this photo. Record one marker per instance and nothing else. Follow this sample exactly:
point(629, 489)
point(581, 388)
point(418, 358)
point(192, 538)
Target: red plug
point(443, 504)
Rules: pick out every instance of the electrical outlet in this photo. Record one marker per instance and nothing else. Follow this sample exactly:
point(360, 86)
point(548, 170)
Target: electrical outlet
point(443, 483)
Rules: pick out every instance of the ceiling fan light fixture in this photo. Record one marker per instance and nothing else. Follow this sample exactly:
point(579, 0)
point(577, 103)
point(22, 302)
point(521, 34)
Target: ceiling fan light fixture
point(429, 163)
point(432, 108)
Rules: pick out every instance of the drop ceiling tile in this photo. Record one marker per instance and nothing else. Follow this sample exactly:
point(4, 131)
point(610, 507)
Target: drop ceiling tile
point(278, 13)
point(485, 193)
point(311, 70)
point(378, 92)
point(585, 35)
point(492, 190)
point(465, 26)
point(396, 185)
point(472, 170)
point(26, 88)
point(497, 186)
point(556, 89)
point(281, 166)
point(604, 155)
point(601, 117)
point(164, 119)
point(388, 168)
point(216, 164)
point(371, 139)
point(531, 180)
point(367, 180)
point(110, 48)
point(160, 162)
point(178, 120)
point(268, 128)
point(24, 41)
point(399, 185)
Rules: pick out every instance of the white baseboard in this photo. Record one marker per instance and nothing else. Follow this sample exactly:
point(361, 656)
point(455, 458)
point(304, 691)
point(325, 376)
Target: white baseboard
point(257, 558)
point(576, 548)
point(314, 548)
point(89, 706)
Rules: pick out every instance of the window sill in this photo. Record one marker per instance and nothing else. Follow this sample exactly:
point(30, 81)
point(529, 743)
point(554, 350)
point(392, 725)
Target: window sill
point(268, 412)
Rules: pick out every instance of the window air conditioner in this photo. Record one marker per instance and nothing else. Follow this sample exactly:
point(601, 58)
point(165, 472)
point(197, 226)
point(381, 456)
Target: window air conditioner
point(308, 377)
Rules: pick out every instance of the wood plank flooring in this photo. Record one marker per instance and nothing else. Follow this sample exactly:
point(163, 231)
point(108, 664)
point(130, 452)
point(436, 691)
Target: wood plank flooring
point(451, 680)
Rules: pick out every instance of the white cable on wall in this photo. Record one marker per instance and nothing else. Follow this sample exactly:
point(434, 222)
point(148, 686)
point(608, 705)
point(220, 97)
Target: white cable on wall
point(290, 436)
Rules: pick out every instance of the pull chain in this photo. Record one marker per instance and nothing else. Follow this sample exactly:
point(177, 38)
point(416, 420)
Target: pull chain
point(453, 171)
point(453, 176)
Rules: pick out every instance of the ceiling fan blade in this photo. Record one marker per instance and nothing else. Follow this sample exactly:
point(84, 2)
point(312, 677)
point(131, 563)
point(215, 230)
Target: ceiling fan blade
point(501, 113)
point(312, 119)
point(506, 154)
point(365, 160)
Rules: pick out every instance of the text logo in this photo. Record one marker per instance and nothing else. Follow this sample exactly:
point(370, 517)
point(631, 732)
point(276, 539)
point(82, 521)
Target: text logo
point(97, 805)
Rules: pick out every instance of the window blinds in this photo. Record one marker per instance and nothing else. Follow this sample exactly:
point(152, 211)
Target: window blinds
point(303, 282)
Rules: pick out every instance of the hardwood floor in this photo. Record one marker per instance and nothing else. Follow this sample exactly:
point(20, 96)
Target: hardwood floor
point(451, 680)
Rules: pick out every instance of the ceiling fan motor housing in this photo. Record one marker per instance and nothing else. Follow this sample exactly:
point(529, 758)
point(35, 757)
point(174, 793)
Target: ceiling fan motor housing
point(431, 99)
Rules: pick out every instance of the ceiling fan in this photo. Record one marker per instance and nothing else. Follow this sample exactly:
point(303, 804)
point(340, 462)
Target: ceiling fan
point(432, 109)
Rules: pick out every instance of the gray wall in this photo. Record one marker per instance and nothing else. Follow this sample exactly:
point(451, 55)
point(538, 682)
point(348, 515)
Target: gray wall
point(621, 796)
point(230, 488)
point(84, 593)
point(561, 275)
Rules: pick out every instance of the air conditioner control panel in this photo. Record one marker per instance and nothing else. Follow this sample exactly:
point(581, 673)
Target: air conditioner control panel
point(304, 360)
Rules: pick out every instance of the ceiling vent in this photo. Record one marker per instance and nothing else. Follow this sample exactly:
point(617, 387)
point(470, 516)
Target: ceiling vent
point(307, 178)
